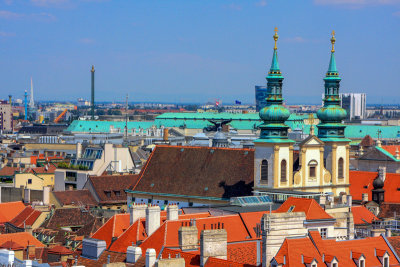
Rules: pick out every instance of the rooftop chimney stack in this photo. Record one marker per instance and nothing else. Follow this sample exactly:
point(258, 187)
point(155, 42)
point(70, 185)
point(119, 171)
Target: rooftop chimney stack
point(152, 219)
point(78, 150)
point(188, 238)
point(46, 195)
point(382, 173)
point(397, 154)
point(172, 212)
point(137, 211)
point(133, 254)
point(365, 197)
point(150, 257)
point(213, 243)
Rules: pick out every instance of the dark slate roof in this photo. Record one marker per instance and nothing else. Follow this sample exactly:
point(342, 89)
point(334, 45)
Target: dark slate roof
point(65, 217)
point(198, 171)
point(111, 188)
point(375, 154)
point(77, 197)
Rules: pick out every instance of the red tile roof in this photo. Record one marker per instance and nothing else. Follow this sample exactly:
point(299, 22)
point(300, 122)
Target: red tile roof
point(361, 182)
point(9, 210)
point(395, 242)
point(114, 185)
point(22, 238)
point(310, 207)
point(367, 141)
point(313, 247)
point(26, 217)
point(11, 245)
point(114, 227)
point(179, 169)
point(392, 149)
point(61, 250)
point(7, 171)
point(76, 197)
point(362, 215)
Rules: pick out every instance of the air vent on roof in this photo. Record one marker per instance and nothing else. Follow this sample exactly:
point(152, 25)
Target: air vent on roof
point(398, 188)
point(212, 151)
point(182, 149)
point(365, 186)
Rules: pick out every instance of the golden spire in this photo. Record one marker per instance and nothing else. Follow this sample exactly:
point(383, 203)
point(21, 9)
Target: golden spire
point(276, 37)
point(333, 40)
point(92, 69)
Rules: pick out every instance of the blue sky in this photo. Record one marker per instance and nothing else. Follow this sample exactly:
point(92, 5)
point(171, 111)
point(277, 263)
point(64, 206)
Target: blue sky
point(196, 51)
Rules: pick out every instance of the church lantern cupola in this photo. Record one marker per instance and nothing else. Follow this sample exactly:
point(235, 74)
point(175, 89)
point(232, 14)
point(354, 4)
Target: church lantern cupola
point(274, 114)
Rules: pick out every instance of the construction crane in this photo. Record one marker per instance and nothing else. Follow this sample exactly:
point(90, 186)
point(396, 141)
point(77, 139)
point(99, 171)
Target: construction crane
point(60, 116)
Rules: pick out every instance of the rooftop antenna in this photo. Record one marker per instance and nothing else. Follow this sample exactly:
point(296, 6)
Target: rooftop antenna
point(92, 91)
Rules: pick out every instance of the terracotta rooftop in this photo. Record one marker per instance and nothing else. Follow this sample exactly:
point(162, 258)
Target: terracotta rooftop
point(65, 217)
point(7, 171)
point(362, 215)
point(9, 210)
point(367, 141)
point(222, 172)
point(111, 188)
point(392, 149)
point(23, 238)
point(26, 217)
point(310, 207)
point(11, 245)
point(75, 197)
point(361, 182)
point(314, 247)
point(61, 250)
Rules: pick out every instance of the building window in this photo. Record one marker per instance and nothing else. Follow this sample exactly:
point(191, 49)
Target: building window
point(264, 171)
point(107, 193)
point(283, 171)
point(29, 181)
point(334, 264)
point(340, 168)
point(324, 232)
point(386, 262)
point(312, 166)
point(361, 263)
point(117, 193)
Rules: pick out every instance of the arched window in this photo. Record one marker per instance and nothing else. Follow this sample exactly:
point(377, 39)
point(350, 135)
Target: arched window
point(312, 167)
point(264, 171)
point(283, 170)
point(340, 168)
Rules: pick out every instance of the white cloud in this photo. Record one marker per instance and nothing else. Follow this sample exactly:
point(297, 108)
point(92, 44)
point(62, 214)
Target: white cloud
point(5, 14)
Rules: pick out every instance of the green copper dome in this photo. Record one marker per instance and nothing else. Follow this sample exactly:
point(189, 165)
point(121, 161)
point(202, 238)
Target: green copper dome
point(331, 113)
point(274, 114)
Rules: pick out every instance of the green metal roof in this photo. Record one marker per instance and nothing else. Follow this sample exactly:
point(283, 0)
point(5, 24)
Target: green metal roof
point(387, 153)
point(79, 126)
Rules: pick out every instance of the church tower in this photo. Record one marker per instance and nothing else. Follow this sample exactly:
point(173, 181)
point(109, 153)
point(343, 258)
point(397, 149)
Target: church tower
point(331, 129)
point(273, 150)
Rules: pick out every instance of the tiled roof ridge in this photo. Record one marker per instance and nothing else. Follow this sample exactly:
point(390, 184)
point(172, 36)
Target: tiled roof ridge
point(32, 212)
point(142, 171)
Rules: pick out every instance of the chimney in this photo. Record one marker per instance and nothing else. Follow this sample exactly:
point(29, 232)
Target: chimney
point(365, 197)
point(27, 195)
point(322, 200)
point(349, 200)
point(213, 243)
point(397, 155)
point(343, 199)
point(382, 173)
point(377, 232)
point(150, 257)
point(46, 195)
point(78, 150)
point(92, 248)
point(28, 229)
point(172, 212)
point(133, 254)
point(152, 219)
point(188, 238)
point(165, 134)
point(137, 211)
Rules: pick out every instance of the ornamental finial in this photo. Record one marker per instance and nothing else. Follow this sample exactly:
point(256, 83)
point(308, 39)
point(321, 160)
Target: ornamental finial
point(276, 37)
point(92, 70)
point(333, 40)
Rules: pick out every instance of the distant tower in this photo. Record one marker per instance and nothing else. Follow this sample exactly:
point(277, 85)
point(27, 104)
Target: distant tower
point(92, 102)
point(10, 100)
point(26, 105)
point(31, 101)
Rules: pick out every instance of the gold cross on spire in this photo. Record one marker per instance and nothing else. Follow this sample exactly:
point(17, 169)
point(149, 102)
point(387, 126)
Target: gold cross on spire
point(333, 40)
point(276, 37)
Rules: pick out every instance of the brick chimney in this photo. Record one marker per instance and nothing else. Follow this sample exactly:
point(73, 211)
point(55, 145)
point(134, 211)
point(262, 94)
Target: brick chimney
point(172, 212)
point(152, 219)
point(213, 243)
point(137, 211)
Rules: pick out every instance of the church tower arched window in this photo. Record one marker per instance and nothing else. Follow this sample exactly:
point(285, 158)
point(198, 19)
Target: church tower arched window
point(341, 168)
point(264, 171)
point(283, 170)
